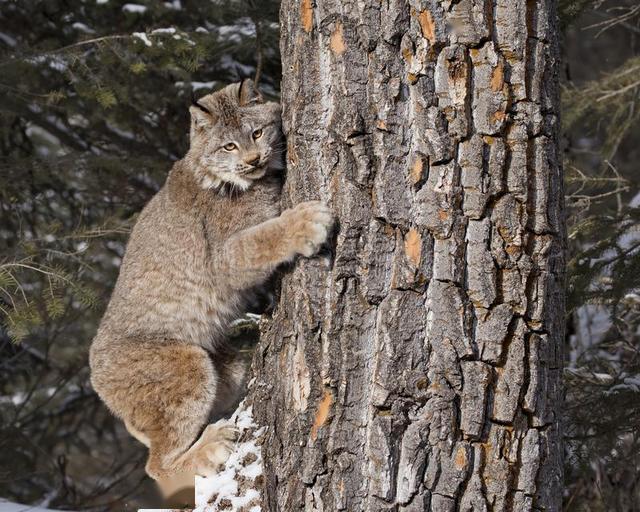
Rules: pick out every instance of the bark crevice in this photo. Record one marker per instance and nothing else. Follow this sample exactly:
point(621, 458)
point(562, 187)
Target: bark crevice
point(431, 130)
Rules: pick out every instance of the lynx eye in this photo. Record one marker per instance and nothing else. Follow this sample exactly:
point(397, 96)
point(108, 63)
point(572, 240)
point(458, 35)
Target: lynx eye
point(230, 146)
point(257, 133)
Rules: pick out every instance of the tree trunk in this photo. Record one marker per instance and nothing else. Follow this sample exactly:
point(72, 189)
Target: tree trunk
point(419, 368)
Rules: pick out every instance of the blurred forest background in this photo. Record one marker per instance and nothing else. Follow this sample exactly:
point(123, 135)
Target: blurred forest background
point(94, 98)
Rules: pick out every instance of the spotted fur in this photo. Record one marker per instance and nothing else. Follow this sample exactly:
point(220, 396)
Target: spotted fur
point(202, 246)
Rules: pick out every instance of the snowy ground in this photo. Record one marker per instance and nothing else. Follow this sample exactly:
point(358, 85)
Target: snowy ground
point(6, 506)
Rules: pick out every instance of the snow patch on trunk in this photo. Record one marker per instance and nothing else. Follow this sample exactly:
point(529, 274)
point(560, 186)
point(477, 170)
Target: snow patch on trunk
point(237, 486)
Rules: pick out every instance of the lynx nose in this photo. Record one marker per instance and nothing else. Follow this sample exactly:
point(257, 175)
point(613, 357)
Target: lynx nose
point(252, 159)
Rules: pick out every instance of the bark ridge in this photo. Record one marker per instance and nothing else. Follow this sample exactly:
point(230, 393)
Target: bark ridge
point(418, 367)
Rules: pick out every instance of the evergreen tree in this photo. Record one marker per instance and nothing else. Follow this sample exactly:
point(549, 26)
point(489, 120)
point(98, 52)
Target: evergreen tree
point(95, 98)
point(600, 118)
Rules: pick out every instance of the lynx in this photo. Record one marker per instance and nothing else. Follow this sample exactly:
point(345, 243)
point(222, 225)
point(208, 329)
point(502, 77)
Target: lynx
point(199, 250)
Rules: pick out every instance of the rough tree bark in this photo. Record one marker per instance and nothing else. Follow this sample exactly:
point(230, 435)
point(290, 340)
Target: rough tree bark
point(420, 368)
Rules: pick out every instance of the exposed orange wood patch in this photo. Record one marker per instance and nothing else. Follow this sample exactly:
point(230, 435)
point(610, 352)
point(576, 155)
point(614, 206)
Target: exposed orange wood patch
point(497, 77)
point(306, 15)
point(408, 56)
point(461, 458)
point(499, 116)
point(336, 41)
point(513, 250)
point(381, 125)
point(413, 246)
point(417, 170)
point(427, 26)
point(443, 215)
point(321, 414)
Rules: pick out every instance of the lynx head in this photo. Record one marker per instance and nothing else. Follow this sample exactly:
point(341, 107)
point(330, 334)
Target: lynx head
point(235, 137)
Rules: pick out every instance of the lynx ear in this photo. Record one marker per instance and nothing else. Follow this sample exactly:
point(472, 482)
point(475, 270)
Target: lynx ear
point(248, 94)
point(200, 115)
point(200, 118)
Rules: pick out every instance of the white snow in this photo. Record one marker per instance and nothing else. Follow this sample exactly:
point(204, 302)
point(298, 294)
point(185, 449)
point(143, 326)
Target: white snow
point(227, 62)
point(633, 382)
point(101, 1)
point(159, 31)
point(243, 27)
point(46, 140)
point(53, 61)
point(125, 134)
point(151, 118)
point(224, 486)
point(175, 5)
point(593, 323)
point(197, 85)
point(143, 37)
point(78, 120)
point(7, 39)
point(137, 8)
point(7, 506)
point(83, 28)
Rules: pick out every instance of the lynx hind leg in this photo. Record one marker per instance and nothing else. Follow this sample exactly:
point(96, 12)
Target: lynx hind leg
point(166, 392)
point(181, 447)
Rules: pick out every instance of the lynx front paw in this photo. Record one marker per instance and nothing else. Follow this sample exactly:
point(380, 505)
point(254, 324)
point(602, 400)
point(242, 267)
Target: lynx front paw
point(214, 447)
point(308, 225)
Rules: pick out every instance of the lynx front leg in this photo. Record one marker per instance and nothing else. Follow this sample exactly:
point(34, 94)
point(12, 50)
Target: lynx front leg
point(252, 254)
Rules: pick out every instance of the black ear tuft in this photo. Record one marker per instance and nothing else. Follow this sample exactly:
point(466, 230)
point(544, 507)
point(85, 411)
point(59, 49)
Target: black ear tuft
point(196, 104)
point(242, 85)
point(247, 93)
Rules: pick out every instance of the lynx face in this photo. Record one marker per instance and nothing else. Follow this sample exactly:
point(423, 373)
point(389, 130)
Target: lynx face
point(235, 137)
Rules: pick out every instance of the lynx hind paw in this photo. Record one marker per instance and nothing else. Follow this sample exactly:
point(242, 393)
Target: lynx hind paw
point(216, 444)
point(312, 222)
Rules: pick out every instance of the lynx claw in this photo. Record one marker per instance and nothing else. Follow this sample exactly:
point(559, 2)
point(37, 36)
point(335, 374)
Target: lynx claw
point(221, 431)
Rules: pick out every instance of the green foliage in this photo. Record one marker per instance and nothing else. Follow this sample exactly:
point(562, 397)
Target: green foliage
point(569, 10)
point(95, 100)
point(605, 103)
point(602, 414)
point(607, 269)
